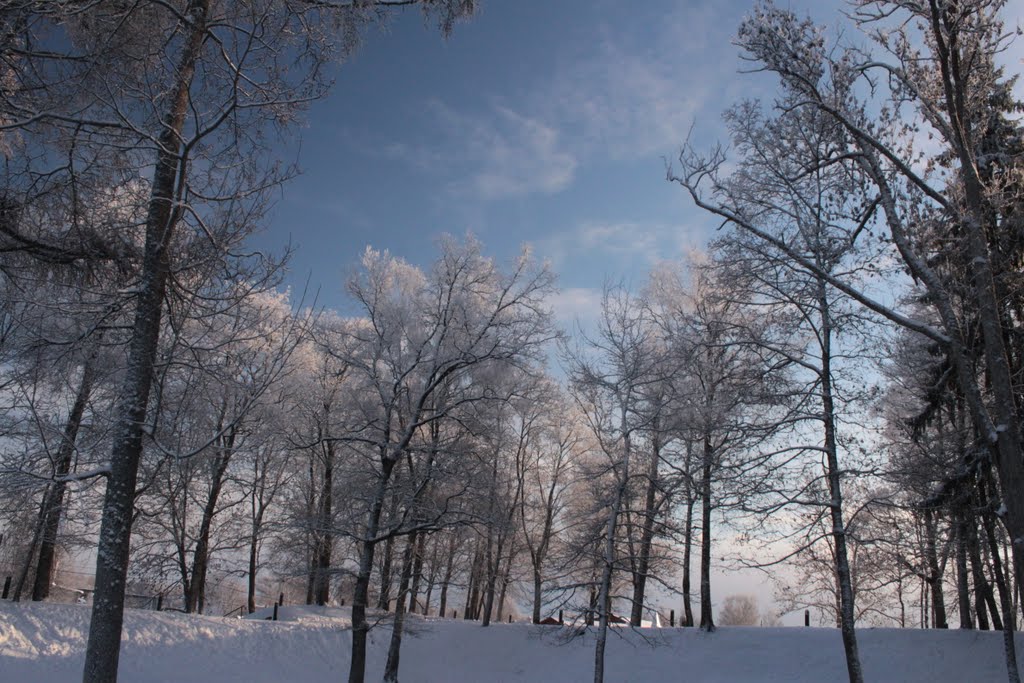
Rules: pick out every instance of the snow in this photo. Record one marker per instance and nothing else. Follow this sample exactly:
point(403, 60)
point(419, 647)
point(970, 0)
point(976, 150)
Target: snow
point(46, 642)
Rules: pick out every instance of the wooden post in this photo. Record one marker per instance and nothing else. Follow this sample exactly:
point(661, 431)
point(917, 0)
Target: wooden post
point(343, 602)
point(7, 588)
point(807, 617)
point(561, 621)
point(672, 618)
point(510, 618)
point(275, 612)
point(159, 603)
point(280, 599)
point(455, 614)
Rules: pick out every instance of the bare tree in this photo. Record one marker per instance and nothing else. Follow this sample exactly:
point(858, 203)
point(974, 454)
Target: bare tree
point(724, 398)
point(217, 376)
point(550, 476)
point(952, 82)
point(608, 377)
point(739, 610)
point(423, 336)
point(224, 72)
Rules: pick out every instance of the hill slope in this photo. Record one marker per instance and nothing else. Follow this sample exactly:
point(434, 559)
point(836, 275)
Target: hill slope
point(41, 642)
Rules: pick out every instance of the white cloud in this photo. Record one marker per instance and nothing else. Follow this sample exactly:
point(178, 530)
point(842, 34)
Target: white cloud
point(576, 305)
point(623, 238)
point(628, 93)
point(635, 91)
point(495, 154)
point(518, 155)
point(624, 105)
point(646, 243)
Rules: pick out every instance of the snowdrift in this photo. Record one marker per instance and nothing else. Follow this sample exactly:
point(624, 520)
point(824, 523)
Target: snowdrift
point(46, 642)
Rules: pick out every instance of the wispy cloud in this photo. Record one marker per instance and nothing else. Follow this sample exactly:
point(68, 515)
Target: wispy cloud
point(634, 91)
point(576, 305)
point(518, 155)
point(631, 92)
point(645, 243)
point(493, 154)
point(624, 105)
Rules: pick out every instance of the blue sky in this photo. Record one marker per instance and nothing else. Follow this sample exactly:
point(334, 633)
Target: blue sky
point(543, 121)
point(539, 121)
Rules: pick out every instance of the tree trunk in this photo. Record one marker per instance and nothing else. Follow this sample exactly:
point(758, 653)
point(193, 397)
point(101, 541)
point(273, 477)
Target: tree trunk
point(311, 573)
point(322, 584)
point(250, 593)
point(492, 560)
point(395, 646)
point(963, 592)
point(384, 596)
point(360, 627)
point(312, 537)
point(984, 599)
point(592, 603)
point(608, 566)
point(540, 552)
point(259, 506)
point(26, 565)
point(707, 621)
point(431, 577)
point(473, 590)
point(1005, 601)
point(923, 602)
point(647, 531)
point(448, 569)
point(54, 500)
point(417, 571)
point(687, 550)
point(934, 573)
point(104, 645)
point(900, 599)
point(847, 613)
point(195, 598)
point(537, 585)
point(503, 587)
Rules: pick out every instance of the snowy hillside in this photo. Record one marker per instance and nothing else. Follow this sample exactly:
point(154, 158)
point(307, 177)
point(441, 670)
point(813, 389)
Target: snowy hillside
point(45, 642)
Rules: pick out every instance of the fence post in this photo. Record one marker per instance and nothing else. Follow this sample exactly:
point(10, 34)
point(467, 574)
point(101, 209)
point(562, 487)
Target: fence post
point(672, 618)
point(455, 614)
point(280, 599)
point(7, 587)
point(807, 617)
point(159, 603)
point(561, 621)
point(275, 612)
point(510, 618)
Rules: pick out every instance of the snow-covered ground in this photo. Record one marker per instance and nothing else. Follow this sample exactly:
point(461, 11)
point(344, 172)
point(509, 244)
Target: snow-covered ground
point(44, 642)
